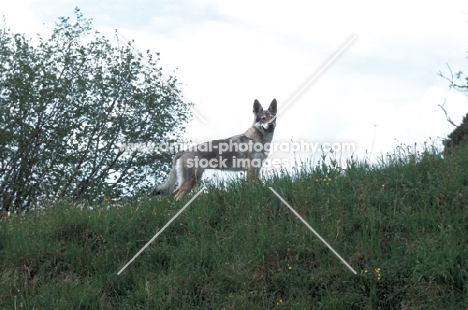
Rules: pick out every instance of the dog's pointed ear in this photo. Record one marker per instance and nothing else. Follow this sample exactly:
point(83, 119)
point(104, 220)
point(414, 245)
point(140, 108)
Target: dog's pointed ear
point(273, 106)
point(257, 107)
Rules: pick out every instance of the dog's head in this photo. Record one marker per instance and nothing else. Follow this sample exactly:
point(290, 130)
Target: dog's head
point(265, 120)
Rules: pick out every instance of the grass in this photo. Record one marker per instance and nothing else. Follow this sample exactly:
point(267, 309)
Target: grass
point(401, 223)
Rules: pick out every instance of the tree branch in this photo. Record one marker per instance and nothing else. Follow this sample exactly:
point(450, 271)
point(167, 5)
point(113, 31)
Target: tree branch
point(447, 117)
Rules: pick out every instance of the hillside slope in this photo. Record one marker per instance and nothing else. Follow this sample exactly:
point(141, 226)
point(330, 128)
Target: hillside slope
point(402, 224)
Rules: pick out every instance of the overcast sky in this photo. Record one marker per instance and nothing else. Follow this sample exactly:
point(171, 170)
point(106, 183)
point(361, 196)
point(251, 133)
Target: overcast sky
point(382, 90)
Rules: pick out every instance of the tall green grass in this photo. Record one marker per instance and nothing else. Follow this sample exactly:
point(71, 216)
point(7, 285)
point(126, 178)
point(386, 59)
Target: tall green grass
point(401, 223)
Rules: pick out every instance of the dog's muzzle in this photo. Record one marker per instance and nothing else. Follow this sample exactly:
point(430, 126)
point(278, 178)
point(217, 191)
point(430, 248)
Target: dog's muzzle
point(270, 127)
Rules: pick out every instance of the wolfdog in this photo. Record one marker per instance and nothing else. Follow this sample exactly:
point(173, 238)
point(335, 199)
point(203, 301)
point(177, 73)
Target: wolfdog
point(244, 152)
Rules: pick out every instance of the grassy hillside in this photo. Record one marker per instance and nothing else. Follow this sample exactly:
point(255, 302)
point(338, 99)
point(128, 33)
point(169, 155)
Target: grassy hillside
point(402, 224)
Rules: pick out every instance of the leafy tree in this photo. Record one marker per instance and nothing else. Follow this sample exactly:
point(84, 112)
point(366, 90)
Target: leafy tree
point(459, 135)
point(68, 104)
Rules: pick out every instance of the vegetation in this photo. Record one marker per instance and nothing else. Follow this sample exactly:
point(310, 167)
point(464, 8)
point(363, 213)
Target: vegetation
point(402, 224)
point(68, 105)
point(459, 135)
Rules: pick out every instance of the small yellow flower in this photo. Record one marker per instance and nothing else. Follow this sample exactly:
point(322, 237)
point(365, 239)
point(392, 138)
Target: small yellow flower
point(377, 270)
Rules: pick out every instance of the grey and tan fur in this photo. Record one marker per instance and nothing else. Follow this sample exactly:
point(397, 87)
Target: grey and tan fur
point(186, 173)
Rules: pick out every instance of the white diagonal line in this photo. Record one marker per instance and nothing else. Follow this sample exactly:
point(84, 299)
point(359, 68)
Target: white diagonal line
point(161, 230)
point(313, 78)
point(308, 226)
point(136, 53)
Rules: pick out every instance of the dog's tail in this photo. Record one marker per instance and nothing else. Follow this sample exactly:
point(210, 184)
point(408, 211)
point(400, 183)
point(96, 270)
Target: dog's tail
point(168, 186)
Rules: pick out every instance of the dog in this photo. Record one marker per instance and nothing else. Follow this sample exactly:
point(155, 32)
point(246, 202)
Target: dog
point(244, 152)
